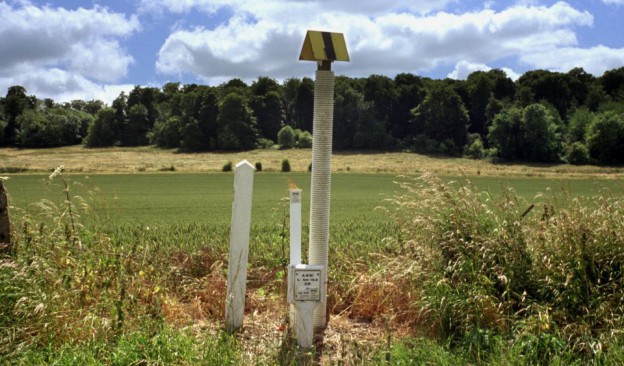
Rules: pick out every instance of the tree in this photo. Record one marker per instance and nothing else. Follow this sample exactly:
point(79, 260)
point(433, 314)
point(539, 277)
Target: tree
point(541, 137)
point(578, 123)
point(166, 133)
point(410, 92)
point(101, 131)
point(503, 88)
point(15, 102)
point(441, 117)
point(552, 87)
point(531, 133)
point(52, 127)
point(505, 133)
point(380, 92)
point(199, 119)
point(605, 138)
point(289, 98)
point(236, 124)
point(137, 126)
point(479, 94)
point(2, 127)
point(304, 105)
point(613, 83)
point(119, 105)
point(266, 103)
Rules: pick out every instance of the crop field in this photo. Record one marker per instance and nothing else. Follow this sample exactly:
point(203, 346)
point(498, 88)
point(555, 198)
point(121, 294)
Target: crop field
point(206, 198)
point(134, 266)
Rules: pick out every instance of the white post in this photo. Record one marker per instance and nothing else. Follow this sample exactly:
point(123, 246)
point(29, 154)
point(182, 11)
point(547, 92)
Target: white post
point(239, 246)
point(295, 226)
point(295, 244)
point(321, 182)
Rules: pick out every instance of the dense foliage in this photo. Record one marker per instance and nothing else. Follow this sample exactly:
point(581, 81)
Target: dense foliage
point(544, 116)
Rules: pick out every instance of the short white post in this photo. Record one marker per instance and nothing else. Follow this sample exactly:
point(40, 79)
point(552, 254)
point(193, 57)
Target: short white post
point(295, 244)
point(239, 246)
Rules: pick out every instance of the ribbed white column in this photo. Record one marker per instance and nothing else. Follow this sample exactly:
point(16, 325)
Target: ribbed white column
point(321, 183)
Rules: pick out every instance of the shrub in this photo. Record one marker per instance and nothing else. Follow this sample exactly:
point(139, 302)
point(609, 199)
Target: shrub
point(227, 167)
point(475, 148)
point(310, 168)
point(305, 140)
point(286, 138)
point(265, 143)
point(577, 154)
point(258, 166)
point(285, 165)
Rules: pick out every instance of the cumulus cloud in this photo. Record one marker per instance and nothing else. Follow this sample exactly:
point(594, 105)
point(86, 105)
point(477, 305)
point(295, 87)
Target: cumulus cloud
point(464, 68)
point(267, 39)
point(39, 44)
point(63, 86)
point(595, 60)
point(301, 9)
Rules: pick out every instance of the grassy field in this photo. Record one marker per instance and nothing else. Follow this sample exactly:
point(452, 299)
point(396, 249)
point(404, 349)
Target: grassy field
point(150, 286)
point(155, 198)
point(78, 159)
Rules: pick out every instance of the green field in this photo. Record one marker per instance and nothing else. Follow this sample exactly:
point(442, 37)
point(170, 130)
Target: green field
point(153, 199)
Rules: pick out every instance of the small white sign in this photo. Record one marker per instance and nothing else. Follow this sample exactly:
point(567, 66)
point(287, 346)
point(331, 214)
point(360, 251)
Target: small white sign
point(295, 196)
point(307, 285)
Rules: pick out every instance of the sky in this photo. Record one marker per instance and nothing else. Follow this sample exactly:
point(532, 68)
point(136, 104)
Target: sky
point(94, 49)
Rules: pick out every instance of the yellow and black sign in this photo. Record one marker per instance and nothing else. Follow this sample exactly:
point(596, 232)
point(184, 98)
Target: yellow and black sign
point(324, 46)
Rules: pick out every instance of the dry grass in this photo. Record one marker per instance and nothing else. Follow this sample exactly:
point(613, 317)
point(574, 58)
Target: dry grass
point(149, 159)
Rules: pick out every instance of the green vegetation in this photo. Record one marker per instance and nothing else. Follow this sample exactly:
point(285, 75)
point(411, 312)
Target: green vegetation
point(544, 116)
point(130, 268)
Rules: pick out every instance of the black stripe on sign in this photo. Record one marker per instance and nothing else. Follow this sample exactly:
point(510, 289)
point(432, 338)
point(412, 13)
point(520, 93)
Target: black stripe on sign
point(329, 46)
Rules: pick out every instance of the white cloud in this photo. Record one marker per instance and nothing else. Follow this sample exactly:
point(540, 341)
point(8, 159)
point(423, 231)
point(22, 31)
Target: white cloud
point(63, 86)
point(265, 40)
point(465, 68)
point(276, 9)
point(595, 60)
point(42, 46)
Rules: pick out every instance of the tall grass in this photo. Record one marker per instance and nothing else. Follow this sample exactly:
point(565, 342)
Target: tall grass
point(486, 274)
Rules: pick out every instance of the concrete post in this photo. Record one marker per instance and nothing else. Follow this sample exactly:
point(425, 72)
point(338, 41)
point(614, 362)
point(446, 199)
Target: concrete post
point(239, 246)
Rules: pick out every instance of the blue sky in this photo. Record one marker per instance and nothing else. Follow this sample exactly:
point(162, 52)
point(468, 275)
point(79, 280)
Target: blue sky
point(94, 49)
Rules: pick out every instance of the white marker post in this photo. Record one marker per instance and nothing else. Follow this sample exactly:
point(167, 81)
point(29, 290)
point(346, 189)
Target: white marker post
point(239, 246)
point(295, 245)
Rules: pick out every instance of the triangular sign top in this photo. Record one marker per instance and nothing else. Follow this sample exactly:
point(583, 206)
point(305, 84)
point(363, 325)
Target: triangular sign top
point(324, 46)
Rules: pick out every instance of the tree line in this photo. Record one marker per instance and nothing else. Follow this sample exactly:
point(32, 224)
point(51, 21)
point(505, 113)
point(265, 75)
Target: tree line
point(543, 116)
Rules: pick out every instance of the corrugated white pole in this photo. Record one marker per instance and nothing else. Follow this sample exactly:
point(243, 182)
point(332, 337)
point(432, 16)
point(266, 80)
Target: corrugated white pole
point(295, 242)
point(321, 182)
point(239, 246)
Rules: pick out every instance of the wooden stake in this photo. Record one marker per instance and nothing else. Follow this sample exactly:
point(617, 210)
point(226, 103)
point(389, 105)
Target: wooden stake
point(5, 222)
